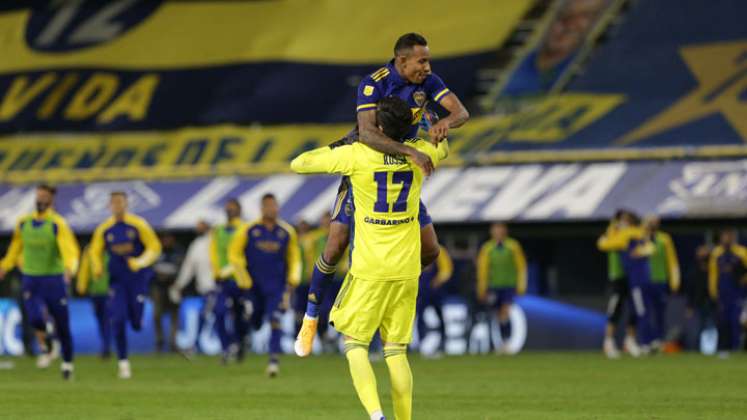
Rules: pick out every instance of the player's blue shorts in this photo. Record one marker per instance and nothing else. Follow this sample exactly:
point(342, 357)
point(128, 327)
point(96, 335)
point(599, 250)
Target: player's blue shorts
point(42, 293)
point(267, 303)
point(343, 210)
point(499, 296)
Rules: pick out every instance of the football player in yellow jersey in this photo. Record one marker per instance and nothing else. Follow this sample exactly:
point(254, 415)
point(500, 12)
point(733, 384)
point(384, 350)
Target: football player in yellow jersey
point(380, 290)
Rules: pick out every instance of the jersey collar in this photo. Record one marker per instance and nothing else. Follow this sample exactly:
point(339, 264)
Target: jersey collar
point(394, 74)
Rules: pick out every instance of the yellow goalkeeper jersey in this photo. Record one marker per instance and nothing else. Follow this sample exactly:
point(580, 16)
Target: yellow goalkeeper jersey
point(386, 199)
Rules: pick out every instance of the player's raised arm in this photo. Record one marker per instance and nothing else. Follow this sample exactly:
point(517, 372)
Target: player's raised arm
point(340, 160)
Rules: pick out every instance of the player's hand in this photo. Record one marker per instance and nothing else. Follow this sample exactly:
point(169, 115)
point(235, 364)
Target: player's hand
point(67, 276)
point(133, 265)
point(285, 303)
point(439, 131)
point(3, 273)
point(175, 295)
point(423, 161)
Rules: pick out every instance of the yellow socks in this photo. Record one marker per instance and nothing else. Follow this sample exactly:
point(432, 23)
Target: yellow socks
point(364, 379)
point(401, 378)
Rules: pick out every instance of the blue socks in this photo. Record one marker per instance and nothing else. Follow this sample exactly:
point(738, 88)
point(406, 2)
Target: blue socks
point(323, 275)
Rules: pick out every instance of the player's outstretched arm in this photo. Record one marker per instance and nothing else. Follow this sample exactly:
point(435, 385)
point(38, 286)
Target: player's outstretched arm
point(371, 136)
point(340, 160)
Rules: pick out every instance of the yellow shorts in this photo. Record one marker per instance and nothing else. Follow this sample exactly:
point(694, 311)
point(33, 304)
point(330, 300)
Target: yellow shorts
point(364, 306)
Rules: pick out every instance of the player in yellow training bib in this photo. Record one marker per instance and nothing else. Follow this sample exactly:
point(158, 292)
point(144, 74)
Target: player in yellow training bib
point(381, 288)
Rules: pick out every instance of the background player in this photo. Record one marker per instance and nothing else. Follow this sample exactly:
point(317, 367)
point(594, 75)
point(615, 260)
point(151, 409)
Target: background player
point(231, 294)
point(380, 290)
point(726, 267)
point(407, 76)
point(501, 274)
point(619, 294)
point(266, 257)
point(98, 291)
point(132, 248)
point(631, 241)
point(429, 288)
point(665, 278)
point(48, 253)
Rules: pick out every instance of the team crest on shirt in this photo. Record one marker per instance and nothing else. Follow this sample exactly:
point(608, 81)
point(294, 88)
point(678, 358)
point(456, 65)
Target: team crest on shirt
point(130, 234)
point(419, 97)
point(256, 233)
point(281, 234)
point(368, 90)
point(109, 237)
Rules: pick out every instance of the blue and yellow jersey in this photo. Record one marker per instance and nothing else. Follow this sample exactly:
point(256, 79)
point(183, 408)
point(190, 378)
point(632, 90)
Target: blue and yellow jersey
point(42, 245)
point(635, 249)
point(439, 272)
point(270, 257)
point(131, 244)
point(387, 82)
point(386, 198)
point(724, 265)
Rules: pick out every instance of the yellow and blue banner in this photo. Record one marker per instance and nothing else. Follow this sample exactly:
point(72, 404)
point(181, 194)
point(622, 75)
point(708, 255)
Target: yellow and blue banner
point(126, 65)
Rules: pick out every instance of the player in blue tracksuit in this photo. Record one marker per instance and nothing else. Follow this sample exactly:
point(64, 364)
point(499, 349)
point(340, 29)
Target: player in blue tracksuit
point(407, 76)
point(266, 258)
point(132, 248)
point(726, 268)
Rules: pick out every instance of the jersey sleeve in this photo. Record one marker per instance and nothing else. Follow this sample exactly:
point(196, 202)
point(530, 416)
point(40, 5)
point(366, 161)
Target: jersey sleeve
point(293, 257)
point(483, 265)
point(445, 266)
point(14, 250)
point(150, 242)
point(369, 93)
point(520, 262)
point(68, 245)
point(96, 251)
point(237, 257)
point(436, 153)
point(673, 265)
point(436, 89)
point(713, 272)
point(84, 272)
point(340, 160)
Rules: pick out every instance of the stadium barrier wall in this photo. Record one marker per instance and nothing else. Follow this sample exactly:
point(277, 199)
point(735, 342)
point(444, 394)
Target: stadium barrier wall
point(537, 323)
point(558, 192)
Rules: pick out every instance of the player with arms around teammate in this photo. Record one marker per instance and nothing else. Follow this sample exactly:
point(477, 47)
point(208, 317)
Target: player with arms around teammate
point(131, 247)
point(267, 259)
point(380, 290)
point(501, 274)
point(409, 77)
point(665, 278)
point(48, 252)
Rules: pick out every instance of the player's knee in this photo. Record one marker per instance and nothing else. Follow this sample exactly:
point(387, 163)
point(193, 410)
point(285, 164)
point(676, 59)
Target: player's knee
point(394, 349)
point(38, 323)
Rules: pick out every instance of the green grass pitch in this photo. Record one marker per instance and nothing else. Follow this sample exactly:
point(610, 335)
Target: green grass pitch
point(528, 386)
